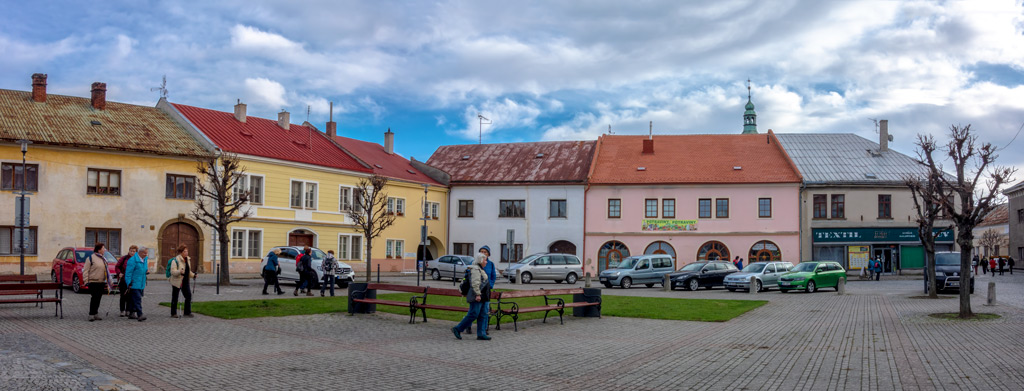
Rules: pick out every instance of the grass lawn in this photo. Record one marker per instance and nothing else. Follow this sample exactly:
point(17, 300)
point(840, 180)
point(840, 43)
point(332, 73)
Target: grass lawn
point(622, 306)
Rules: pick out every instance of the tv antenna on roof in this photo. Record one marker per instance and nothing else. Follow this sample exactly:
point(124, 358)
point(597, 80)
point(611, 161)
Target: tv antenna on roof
point(162, 88)
point(482, 123)
point(875, 120)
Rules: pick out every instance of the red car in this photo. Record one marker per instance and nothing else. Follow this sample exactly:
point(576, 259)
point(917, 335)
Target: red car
point(70, 261)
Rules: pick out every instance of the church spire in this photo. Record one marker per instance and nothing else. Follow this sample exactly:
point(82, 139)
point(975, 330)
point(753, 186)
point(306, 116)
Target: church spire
point(749, 116)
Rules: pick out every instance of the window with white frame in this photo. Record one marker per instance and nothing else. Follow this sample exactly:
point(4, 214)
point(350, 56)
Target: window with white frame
point(395, 248)
point(345, 198)
point(431, 210)
point(251, 183)
point(303, 195)
point(350, 247)
point(246, 243)
point(396, 206)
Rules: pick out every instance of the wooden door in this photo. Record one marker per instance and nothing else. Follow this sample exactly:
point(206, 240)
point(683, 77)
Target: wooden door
point(300, 240)
point(562, 247)
point(175, 235)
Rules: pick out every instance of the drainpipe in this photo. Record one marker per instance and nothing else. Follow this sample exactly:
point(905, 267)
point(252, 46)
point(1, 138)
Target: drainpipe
point(586, 188)
point(800, 224)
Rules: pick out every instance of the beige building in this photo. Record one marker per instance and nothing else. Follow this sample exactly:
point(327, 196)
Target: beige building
point(992, 236)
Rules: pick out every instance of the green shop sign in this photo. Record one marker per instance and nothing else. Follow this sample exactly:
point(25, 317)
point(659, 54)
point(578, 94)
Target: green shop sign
point(848, 235)
point(669, 225)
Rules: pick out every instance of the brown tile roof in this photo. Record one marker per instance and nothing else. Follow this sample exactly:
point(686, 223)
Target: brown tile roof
point(389, 165)
point(998, 216)
point(562, 162)
point(69, 121)
point(693, 159)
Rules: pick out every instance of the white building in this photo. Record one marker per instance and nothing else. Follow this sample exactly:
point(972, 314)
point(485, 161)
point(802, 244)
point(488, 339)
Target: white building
point(533, 189)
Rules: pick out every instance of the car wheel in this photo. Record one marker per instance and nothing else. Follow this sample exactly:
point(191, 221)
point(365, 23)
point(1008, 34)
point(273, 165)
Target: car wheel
point(626, 283)
point(435, 274)
point(694, 284)
point(649, 285)
point(53, 276)
point(527, 277)
point(731, 289)
point(759, 286)
point(558, 281)
point(607, 285)
point(811, 286)
point(76, 286)
point(571, 279)
point(783, 290)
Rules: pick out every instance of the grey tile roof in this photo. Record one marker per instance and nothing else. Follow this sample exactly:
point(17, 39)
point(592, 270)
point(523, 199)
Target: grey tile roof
point(844, 158)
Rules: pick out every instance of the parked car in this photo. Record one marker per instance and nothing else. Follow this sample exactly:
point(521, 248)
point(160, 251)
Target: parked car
point(545, 266)
point(767, 274)
point(947, 272)
point(70, 261)
point(707, 274)
point(342, 276)
point(643, 269)
point(810, 276)
point(449, 266)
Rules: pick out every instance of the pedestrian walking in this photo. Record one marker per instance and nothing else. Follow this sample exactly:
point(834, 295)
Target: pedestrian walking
point(181, 271)
point(984, 265)
point(992, 266)
point(974, 264)
point(739, 265)
point(477, 295)
point(270, 272)
point(94, 273)
point(329, 266)
point(1010, 263)
point(736, 262)
point(124, 299)
point(877, 268)
point(1002, 265)
point(306, 264)
point(300, 286)
point(135, 277)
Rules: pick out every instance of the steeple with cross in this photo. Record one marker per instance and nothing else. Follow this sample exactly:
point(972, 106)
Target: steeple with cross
point(749, 116)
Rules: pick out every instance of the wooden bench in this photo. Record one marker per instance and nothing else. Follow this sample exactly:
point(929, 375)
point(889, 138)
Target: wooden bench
point(29, 287)
point(368, 295)
point(550, 303)
point(20, 278)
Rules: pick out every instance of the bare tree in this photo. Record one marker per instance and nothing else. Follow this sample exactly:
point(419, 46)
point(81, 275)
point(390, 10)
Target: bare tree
point(216, 207)
point(990, 240)
point(928, 194)
point(370, 213)
point(976, 185)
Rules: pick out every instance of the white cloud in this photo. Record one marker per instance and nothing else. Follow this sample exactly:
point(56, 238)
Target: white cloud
point(503, 114)
point(256, 40)
point(266, 92)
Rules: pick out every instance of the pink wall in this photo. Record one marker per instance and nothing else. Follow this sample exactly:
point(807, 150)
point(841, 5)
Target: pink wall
point(739, 232)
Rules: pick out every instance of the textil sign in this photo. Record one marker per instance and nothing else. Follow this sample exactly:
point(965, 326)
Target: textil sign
point(846, 235)
point(669, 225)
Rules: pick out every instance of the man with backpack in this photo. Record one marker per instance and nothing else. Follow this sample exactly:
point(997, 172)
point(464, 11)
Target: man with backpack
point(330, 265)
point(304, 266)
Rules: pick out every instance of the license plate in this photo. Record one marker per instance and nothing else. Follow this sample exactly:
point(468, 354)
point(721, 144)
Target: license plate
point(953, 283)
point(784, 284)
point(603, 279)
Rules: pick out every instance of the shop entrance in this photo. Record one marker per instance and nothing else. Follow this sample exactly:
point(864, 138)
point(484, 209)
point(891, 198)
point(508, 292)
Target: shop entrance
point(887, 255)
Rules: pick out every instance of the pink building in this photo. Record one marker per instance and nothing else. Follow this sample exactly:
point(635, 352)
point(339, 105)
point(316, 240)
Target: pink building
point(695, 197)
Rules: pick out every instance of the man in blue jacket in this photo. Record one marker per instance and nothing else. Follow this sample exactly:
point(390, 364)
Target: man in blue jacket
point(135, 273)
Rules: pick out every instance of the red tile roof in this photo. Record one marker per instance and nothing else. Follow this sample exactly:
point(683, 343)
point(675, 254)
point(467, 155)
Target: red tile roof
point(693, 159)
point(998, 216)
point(556, 162)
point(262, 137)
point(390, 165)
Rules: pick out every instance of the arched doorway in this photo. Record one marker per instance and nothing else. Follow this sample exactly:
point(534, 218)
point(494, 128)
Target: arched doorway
point(611, 254)
point(765, 251)
point(661, 247)
point(562, 247)
point(713, 251)
point(302, 238)
point(433, 250)
point(175, 233)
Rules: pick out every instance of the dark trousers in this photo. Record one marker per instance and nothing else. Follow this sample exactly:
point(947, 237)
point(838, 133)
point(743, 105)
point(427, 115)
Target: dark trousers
point(96, 294)
point(270, 278)
point(124, 302)
point(302, 281)
point(186, 293)
point(136, 303)
point(1001, 269)
point(328, 280)
point(478, 313)
point(877, 275)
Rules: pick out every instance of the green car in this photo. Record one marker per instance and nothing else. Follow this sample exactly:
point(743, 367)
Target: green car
point(810, 276)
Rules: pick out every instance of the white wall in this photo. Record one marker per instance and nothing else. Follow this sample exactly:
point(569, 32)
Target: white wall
point(536, 231)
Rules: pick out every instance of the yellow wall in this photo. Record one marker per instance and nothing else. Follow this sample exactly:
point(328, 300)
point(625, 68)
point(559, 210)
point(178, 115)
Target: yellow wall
point(62, 210)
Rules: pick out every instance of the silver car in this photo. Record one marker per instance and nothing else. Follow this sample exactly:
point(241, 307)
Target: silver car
point(449, 266)
point(767, 274)
point(342, 276)
point(545, 266)
point(643, 269)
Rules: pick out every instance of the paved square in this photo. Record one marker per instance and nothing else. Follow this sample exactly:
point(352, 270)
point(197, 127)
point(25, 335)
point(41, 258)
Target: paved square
point(874, 338)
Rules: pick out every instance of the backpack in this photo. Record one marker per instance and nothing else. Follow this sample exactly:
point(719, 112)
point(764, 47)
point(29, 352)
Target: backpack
point(167, 270)
point(465, 286)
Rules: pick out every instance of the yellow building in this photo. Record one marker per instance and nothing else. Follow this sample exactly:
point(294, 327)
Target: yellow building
point(98, 171)
point(302, 185)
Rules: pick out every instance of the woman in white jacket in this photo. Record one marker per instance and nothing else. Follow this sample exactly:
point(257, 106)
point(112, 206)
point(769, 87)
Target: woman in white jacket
point(478, 295)
point(181, 271)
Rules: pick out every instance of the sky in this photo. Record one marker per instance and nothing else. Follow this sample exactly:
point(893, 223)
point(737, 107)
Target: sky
point(545, 70)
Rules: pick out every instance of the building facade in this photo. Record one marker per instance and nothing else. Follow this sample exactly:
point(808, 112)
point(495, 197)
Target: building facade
point(533, 190)
point(992, 236)
point(855, 205)
point(736, 196)
point(1015, 220)
point(98, 172)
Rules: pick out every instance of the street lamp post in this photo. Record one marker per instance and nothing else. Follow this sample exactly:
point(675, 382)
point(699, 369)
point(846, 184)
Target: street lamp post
point(22, 224)
point(422, 273)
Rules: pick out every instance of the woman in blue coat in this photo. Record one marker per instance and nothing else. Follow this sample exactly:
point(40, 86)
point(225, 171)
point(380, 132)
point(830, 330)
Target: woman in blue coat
point(270, 272)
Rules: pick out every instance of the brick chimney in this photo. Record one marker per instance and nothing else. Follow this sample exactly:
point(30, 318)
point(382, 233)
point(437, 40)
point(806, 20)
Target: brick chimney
point(284, 120)
point(389, 142)
point(649, 145)
point(39, 87)
point(332, 129)
point(883, 135)
point(99, 96)
point(240, 111)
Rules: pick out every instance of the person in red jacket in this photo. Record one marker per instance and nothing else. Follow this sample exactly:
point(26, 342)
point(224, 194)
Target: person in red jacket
point(122, 289)
point(992, 266)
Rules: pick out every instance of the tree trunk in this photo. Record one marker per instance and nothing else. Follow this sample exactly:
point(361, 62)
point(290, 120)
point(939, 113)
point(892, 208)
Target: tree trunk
point(369, 257)
point(965, 239)
point(225, 269)
point(929, 261)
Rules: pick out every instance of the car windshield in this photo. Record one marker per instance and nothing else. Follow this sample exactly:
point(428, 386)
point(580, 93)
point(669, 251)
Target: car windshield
point(754, 268)
point(805, 267)
point(317, 254)
point(627, 263)
point(693, 267)
point(109, 257)
point(947, 259)
point(530, 258)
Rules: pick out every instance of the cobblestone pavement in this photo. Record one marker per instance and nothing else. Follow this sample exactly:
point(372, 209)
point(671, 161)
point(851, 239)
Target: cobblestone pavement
point(874, 338)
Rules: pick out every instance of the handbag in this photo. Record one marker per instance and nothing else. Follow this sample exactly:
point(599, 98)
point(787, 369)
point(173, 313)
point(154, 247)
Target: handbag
point(278, 270)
